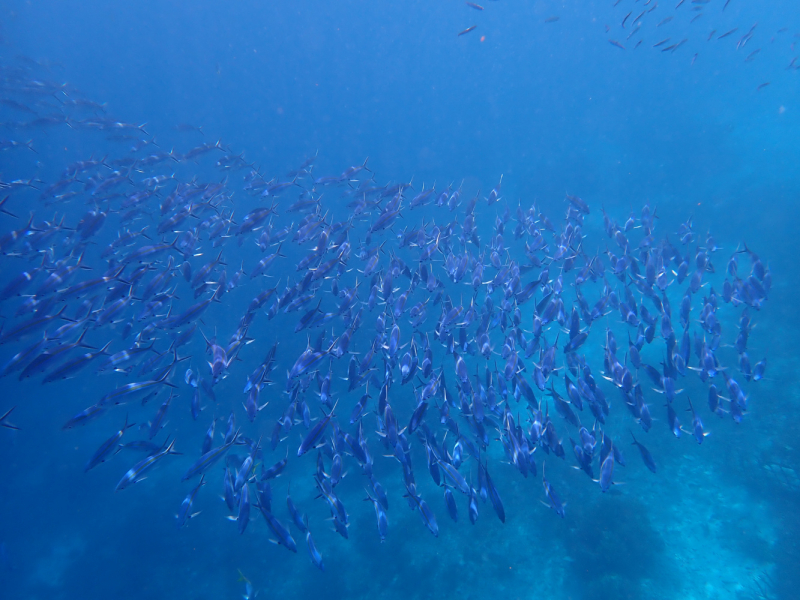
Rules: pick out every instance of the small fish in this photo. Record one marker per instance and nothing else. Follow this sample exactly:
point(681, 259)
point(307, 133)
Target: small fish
point(185, 512)
point(210, 458)
point(475, 6)
point(467, 30)
point(137, 472)
point(316, 557)
point(314, 436)
point(646, 456)
point(243, 515)
point(380, 514)
point(606, 472)
point(752, 55)
point(494, 497)
point(697, 424)
point(425, 512)
point(249, 593)
point(284, 538)
point(617, 44)
point(552, 497)
point(107, 448)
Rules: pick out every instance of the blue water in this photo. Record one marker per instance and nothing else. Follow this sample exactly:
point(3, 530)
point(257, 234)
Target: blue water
point(549, 105)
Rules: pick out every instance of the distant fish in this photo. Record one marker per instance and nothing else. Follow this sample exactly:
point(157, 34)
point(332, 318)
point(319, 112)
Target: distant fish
point(647, 458)
point(617, 44)
point(675, 46)
point(475, 6)
point(186, 127)
point(553, 498)
point(467, 30)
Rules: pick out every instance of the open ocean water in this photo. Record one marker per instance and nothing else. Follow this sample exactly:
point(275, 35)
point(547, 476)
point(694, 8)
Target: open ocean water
point(454, 271)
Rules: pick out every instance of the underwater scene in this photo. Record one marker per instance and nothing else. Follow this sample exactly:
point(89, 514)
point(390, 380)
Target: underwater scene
point(399, 300)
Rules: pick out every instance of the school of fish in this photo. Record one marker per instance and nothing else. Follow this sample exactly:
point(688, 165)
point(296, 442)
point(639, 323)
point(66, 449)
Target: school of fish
point(449, 338)
point(667, 27)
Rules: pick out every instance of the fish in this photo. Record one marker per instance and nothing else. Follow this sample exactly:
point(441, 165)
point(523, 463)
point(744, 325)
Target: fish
point(697, 424)
point(647, 458)
point(70, 367)
point(314, 435)
point(380, 514)
point(316, 557)
point(553, 498)
point(207, 460)
point(137, 472)
point(467, 30)
point(426, 514)
point(494, 497)
point(243, 514)
point(282, 535)
point(32, 325)
point(606, 472)
point(107, 448)
point(133, 390)
point(185, 513)
point(752, 55)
